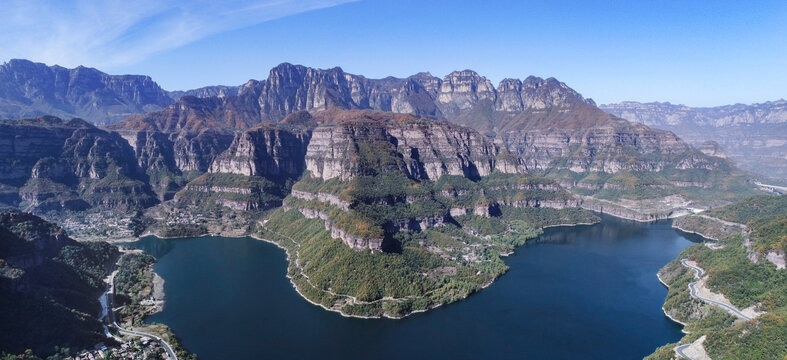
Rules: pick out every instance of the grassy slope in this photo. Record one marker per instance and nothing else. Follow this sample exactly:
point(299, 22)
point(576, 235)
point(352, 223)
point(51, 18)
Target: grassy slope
point(742, 281)
point(423, 269)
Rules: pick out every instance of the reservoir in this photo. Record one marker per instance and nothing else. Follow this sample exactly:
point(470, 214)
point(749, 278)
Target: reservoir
point(586, 292)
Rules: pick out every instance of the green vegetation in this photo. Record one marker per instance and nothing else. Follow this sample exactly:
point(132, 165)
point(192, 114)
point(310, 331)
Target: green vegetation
point(754, 207)
point(719, 186)
point(49, 287)
point(707, 227)
point(731, 272)
point(419, 269)
point(133, 283)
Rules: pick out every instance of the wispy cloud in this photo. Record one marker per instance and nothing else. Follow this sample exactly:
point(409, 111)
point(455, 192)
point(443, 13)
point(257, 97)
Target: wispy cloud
point(109, 33)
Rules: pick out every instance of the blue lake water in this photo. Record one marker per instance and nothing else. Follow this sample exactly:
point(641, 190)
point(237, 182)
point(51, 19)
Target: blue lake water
point(587, 292)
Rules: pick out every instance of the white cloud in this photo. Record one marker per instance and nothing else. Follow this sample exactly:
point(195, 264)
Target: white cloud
point(108, 33)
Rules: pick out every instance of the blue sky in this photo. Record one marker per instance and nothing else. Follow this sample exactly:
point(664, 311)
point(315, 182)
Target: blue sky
point(691, 52)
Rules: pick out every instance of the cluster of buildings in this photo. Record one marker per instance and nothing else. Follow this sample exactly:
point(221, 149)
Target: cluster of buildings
point(143, 348)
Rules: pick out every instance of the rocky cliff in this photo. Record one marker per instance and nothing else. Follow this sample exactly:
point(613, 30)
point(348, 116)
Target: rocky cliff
point(543, 121)
point(54, 164)
point(754, 136)
point(30, 89)
point(370, 175)
point(417, 149)
point(291, 88)
point(207, 91)
point(266, 150)
point(172, 159)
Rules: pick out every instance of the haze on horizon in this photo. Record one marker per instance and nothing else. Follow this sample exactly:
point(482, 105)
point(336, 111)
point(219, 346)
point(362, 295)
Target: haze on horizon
point(685, 53)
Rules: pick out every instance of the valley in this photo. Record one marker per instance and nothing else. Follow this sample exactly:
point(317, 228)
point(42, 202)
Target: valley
point(391, 197)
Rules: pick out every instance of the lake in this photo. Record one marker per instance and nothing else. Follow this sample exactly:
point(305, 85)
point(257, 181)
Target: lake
point(586, 292)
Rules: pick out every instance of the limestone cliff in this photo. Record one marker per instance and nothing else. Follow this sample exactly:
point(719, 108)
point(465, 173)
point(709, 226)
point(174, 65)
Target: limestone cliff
point(265, 151)
point(54, 164)
point(30, 89)
point(418, 149)
point(171, 159)
point(754, 136)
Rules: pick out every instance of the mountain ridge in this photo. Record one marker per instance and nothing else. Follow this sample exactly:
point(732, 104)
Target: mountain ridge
point(29, 89)
point(755, 135)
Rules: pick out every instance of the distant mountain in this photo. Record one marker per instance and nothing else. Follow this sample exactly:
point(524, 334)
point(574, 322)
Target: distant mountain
point(754, 136)
point(462, 96)
point(30, 89)
point(207, 91)
point(666, 114)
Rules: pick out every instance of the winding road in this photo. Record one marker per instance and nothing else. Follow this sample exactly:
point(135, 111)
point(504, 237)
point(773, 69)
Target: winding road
point(110, 314)
point(693, 291)
point(680, 349)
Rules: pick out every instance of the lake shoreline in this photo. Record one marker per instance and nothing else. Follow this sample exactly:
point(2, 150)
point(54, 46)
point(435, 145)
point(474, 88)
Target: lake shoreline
point(384, 316)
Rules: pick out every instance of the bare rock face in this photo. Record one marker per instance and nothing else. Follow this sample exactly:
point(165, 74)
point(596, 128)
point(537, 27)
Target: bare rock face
point(33, 89)
point(56, 164)
point(538, 123)
point(167, 156)
point(610, 148)
point(265, 151)
point(424, 150)
point(462, 90)
point(353, 241)
point(194, 114)
point(754, 136)
point(219, 91)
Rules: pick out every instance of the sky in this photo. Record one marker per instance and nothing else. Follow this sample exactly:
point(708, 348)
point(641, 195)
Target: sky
point(698, 53)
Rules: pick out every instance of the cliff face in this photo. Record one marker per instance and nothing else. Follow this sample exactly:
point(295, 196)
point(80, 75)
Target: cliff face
point(610, 148)
point(370, 174)
point(54, 164)
point(291, 88)
point(207, 91)
point(542, 121)
point(32, 89)
point(425, 151)
point(754, 136)
point(265, 151)
point(196, 114)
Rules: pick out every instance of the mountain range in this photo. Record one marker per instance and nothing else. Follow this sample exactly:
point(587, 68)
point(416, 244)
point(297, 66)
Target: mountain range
point(30, 89)
point(754, 136)
point(262, 136)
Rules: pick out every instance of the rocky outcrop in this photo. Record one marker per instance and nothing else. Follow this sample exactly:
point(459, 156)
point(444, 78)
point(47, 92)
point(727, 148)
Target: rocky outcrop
point(169, 158)
point(712, 148)
point(540, 123)
point(207, 91)
point(420, 150)
point(190, 113)
point(323, 197)
point(265, 151)
point(755, 136)
point(30, 89)
point(610, 147)
point(416, 223)
point(353, 241)
point(56, 164)
point(292, 88)
point(538, 203)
